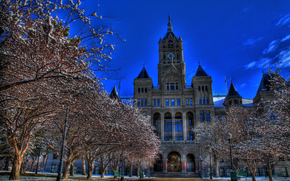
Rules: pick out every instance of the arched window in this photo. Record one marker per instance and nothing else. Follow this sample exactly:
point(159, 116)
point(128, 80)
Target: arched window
point(202, 88)
point(205, 88)
point(203, 100)
point(139, 90)
point(200, 100)
point(198, 88)
point(145, 89)
point(142, 90)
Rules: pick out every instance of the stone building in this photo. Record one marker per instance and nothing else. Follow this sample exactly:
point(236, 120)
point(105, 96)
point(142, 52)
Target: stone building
point(176, 107)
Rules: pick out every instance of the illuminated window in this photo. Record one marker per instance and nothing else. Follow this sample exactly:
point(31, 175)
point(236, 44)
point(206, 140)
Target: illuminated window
point(201, 116)
point(154, 102)
point(186, 101)
point(178, 102)
point(203, 100)
point(141, 102)
point(190, 101)
point(167, 102)
point(138, 102)
point(157, 102)
point(207, 101)
point(171, 86)
point(200, 100)
point(207, 116)
point(145, 102)
point(172, 102)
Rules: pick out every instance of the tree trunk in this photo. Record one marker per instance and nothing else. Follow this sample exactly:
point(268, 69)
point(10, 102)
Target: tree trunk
point(253, 172)
point(72, 170)
point(103, 173)
point(44, 161)
point(90, 170)
point(31, 166)
point(138, 169)
point(269, 169)
point(66, 170)
point(131, 170)
point(15, 173)
point(83, 165)
point(24, 165)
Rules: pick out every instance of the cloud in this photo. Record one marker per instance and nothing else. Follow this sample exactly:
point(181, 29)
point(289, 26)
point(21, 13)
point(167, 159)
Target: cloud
point(252, 41)
point(285, 38)
point(272, 47)
point(284, 58)
point(250, 65)
point(284, 20)
point(243, 85)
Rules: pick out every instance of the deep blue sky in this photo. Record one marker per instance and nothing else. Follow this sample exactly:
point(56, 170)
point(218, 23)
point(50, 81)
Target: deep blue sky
point(236, 39)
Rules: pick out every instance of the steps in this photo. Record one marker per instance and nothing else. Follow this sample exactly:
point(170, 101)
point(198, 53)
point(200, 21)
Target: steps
point(175, 174)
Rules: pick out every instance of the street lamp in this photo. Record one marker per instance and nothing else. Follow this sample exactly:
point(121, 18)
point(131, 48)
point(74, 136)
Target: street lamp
point(201, 172)
point(210, 151)
point(229, 136)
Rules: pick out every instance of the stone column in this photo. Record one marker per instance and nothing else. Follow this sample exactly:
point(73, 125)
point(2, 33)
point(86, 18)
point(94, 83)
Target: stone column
point(173, 126)
point(164, 161)
point(183, 163)
point(196, 165)
point(184, 126)
point(162, 126)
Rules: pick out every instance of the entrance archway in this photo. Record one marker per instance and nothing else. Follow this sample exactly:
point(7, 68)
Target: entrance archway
point(190, 163)
point(158, 164)
point(174, 162)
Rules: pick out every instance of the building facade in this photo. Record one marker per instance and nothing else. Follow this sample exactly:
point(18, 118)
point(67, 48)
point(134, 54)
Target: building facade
point(176, 107)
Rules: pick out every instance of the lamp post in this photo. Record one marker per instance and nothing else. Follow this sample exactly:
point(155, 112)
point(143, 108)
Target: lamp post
point(229, 136)
point(201, 172)
point(210, 151)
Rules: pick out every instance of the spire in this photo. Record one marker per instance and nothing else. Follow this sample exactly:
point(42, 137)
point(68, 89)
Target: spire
point(143, 73)
point(169, 28)
point(200, 71)
point(114, 93)
point(233, 92)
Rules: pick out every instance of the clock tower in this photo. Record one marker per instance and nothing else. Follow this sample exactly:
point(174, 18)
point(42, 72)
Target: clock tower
point(171, 66)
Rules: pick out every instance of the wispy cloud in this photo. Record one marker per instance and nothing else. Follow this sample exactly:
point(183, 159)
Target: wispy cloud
point(272, 46)
point(251, 65)
point(284, 20)
point(285, 38)
point(243, 85)
point(252, 41)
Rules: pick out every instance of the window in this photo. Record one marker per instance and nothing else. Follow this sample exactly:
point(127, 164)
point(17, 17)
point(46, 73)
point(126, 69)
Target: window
point(145, 89)
point(272, 116)
point(178, 138)
point(154, 102)
point(217, 117)
point(166, 102)
point(177, 57)
point(198, 88)
point(190, 121)
point(283, 172)
point(205, 88)
point(190, 135)
point(222, 172)
point(139, 90)
point(200, 100)
point(207, 116)
point(157, 102)
point(164, 56)
point(223, 119)
point(207, 101)
point(54, 156)
point(171, 86)
point(165, 138)
point(172, 102)
point(168, 86)
point(202, 88)
point(53, 167)
point(186, 101)
point(138, 102)
point(141, 102)
point(236, 101)
point(156, 123)
point(178, 125)
point(142, 90)
point(190, 101)
point(176, 86)
point(145, 102)
point(203, 100)
point(178, 102)
point(201, 116)
point(168, 126)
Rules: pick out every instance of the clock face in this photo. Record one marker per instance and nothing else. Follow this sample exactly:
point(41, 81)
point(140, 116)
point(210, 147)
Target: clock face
point(170, 56)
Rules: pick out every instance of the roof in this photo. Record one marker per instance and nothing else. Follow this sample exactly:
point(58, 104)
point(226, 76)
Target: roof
point(233, 92)
point(218, 102)
point(200, 71)
point(114, 94)
point(265, 83)
point(143, 74)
